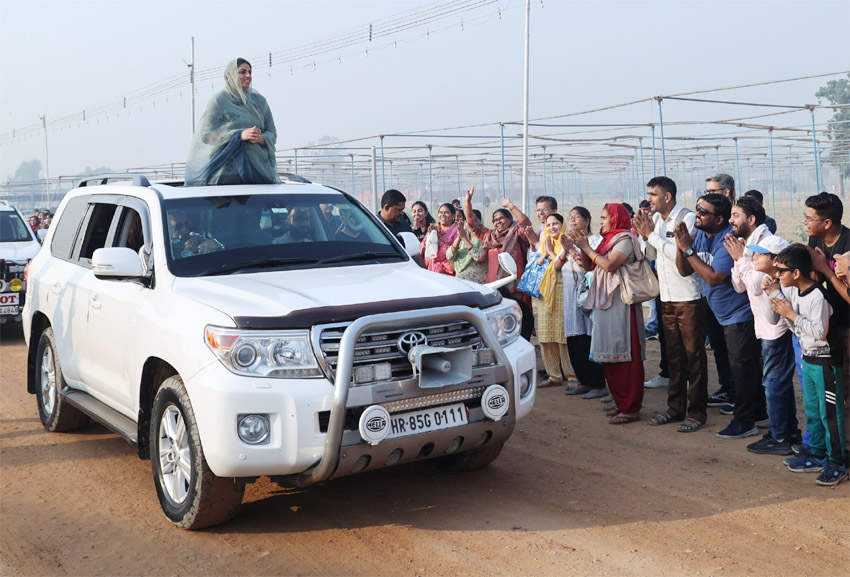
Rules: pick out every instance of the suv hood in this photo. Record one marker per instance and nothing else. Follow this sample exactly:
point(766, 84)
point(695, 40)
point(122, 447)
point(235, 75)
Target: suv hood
point(19, 252)
point(281, 293)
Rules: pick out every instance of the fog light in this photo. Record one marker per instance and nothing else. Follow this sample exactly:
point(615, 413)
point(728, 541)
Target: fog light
point(253, 429)
point(365, 374)
point(495, 402)
point(484, 357)
point(383, 372)
point(525, 384)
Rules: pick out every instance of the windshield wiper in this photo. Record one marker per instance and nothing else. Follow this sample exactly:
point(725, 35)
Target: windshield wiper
point(259, 263)
point(358, 256)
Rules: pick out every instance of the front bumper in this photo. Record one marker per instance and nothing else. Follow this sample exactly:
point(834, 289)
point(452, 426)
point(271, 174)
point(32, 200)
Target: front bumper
point(306, 452)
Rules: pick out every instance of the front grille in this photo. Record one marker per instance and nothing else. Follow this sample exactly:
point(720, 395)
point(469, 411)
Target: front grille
point(382, 346)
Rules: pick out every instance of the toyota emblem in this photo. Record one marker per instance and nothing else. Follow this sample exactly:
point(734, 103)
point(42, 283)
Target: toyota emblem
point(410, 339)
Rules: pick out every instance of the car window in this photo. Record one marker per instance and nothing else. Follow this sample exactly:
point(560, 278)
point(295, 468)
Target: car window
point(97, 229)
point(67, 227)
point(206, 235)
point(130, 232)
point(13, 228)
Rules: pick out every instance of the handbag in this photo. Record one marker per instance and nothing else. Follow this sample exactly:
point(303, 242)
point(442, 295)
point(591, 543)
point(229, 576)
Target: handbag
point(637, 282)
point(582, 290)
point(532, 275)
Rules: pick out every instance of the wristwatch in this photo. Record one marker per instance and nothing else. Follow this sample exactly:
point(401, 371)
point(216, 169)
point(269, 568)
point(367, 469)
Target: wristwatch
point(689, 252)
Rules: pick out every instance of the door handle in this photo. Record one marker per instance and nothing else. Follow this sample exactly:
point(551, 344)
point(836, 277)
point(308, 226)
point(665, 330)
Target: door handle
point(94, 302)
point(56, 288)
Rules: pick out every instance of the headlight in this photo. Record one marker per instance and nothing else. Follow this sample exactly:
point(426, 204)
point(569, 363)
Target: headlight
point(282, 354)
point(505, 321)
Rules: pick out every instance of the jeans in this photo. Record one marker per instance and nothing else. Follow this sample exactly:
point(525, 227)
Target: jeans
point(778, 379)
point(745, 362)
point(652, 321)
point(684, 329)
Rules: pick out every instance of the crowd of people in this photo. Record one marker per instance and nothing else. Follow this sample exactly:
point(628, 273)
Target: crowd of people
point(724, 280)
point(718, 275)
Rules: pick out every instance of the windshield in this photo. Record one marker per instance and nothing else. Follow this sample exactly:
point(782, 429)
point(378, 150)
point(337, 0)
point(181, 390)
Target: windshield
point(13, 228)
point(235, 234)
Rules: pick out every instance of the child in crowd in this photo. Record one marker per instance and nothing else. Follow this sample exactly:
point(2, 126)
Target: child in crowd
point(777, 351)
point(802, 305)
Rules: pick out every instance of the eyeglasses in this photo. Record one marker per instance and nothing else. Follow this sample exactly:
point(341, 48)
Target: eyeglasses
point(498, 218)
point(714, 191)
point(701, 210)
point(782, 269)
point(573, 217)
point(808, 219)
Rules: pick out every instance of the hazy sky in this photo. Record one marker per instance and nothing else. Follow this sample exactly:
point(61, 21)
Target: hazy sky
point(60, 57)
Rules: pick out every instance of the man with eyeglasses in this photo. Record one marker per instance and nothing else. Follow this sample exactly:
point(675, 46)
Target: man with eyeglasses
point(706, 255)
point(682, 308)
point(724, 398)
point(721, 183)
point(828, 238)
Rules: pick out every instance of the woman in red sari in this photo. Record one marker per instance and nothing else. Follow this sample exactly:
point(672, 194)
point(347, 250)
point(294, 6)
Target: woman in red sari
point(617, 337)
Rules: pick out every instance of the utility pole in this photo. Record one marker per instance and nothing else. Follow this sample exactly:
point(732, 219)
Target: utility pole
point(191, 66)
point(46, 161)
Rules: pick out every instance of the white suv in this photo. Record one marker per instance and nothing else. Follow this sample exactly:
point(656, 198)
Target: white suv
point(18, 244)
point(233, 332)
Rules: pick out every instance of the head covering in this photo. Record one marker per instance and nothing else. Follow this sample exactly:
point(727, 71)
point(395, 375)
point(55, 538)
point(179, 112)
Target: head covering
point(618, 216)
point(771, 244)
point(217, 154)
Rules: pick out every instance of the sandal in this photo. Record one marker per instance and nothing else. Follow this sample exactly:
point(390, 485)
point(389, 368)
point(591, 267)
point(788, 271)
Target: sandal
point(662, 419)
point(690, 425)
point(549, 383)
point(609, 406)
point(612, 412)
point(623, 419)
point(572, 385)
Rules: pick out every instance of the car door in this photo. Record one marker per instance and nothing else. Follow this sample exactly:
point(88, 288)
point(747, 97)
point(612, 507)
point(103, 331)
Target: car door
point(113, 309)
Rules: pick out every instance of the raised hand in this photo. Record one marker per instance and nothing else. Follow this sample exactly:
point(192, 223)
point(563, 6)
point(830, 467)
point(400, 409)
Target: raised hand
point(684, 240)
point(734, 246)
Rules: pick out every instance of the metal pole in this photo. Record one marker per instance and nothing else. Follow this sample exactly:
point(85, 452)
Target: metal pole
point(717, 156)
point(772, 178)
point(296, 161)
point(661, 124)
point(525, 113)
point(738, 165)
point(375, 206)
point(654, 167)
point(383, 174)
point(815, 143)
point(544, 170)
point(642, 172)
point(46, 158)
point(353, 191)
point(430, 181)
point(192, 82)
point(457, 166)
point(502, 139)
point(791, 180)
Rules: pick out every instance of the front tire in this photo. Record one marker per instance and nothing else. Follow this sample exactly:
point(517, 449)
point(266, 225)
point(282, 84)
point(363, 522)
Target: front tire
point(55, 413)
point(191, 496)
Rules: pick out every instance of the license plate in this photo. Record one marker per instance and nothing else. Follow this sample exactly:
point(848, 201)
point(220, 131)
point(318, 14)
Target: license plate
point(426, 420)
point(7, 299)
point(9, 310)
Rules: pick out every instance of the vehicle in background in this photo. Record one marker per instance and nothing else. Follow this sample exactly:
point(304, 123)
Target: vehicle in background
point(18, 245)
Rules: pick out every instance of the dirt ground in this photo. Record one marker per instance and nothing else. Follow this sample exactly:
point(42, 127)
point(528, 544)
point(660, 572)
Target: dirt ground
point(570, 495)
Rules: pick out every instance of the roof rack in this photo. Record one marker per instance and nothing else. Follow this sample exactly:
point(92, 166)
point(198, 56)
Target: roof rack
point(137, 179)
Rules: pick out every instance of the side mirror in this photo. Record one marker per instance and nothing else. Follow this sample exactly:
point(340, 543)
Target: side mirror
point(411, 243)
point(508, 265)
point(116, 263)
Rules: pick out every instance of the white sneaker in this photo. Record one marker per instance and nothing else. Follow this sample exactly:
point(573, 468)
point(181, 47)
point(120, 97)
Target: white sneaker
point(658, 382)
